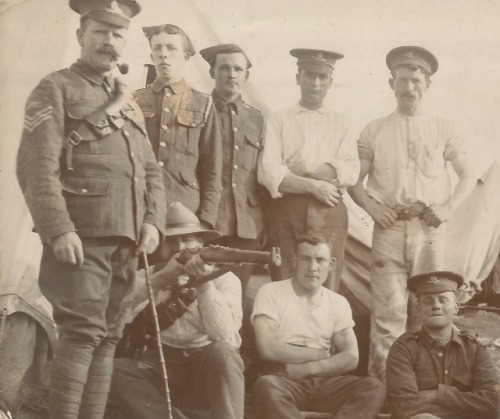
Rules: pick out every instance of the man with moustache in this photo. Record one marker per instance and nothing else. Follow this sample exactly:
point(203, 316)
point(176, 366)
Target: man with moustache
point(439, 371)
point(309, 159)
point(85, 166)
point(182, 126)
point(304, 334)
point(240, 211)
point(408, 194)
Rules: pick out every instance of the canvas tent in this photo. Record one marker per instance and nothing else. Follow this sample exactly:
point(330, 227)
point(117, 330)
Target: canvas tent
point(26, 326)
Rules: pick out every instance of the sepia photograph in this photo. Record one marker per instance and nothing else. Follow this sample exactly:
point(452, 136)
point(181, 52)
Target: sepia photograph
point(249, 209)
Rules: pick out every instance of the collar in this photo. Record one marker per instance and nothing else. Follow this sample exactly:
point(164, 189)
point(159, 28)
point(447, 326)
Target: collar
point(87, 72)
point(223, 104)
point(419, 112)
point(455, 338)
point(300, 109)
point(177, 87)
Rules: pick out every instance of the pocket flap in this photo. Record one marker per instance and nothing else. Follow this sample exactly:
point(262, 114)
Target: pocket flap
point(190, 179)
point(148, 113)
point(253, 140)
point(190, 118)
point(89, 186)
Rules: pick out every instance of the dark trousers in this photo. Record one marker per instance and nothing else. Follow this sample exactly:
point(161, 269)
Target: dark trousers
point(87, 305)
point(209, 378)
point(294, 215)
point(346, 397)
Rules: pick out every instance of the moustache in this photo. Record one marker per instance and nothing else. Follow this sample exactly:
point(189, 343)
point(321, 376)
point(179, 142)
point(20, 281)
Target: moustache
point(108, 50)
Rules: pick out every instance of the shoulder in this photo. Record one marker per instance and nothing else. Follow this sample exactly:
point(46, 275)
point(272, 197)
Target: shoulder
point(200, 97)
point(143, 94)
point(277, 288)
point(336, 299)
point(407, 340)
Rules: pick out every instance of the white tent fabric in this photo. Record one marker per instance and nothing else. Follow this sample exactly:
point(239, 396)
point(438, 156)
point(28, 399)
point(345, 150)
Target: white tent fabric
point(473, 233)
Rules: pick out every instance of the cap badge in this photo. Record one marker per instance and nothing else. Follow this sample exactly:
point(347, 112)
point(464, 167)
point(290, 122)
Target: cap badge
point(318, 57)
point(115, 8)
point(409, 54)
point(432, 280)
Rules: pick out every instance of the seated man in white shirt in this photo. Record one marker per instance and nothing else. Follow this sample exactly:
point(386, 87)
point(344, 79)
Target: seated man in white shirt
point(305, 333)
point(200, 348)
point(309, 159)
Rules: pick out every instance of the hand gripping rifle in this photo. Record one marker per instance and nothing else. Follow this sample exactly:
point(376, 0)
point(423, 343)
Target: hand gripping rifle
point(141, 333)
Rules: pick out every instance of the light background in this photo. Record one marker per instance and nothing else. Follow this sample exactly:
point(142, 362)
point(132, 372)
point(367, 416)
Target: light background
point(38, 37)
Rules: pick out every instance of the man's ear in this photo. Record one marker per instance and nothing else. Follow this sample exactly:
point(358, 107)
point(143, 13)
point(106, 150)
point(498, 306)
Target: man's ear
point(212, 73)
point(187, 56)
point(429, 82)
point(391, 83)
point(333, 261)
point(79, 36)
point(297, 76)
point(247, 75)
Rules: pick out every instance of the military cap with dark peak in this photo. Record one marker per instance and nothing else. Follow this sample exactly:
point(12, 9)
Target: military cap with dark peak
point(412, 55)
point(150, 31)
point(435, 282)
point(316, 60)
point(114, 12)
point(210, 54)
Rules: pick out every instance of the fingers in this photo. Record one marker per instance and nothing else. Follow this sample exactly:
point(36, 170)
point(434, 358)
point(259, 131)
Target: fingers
point(148, 240)
point(68, 248)
point(78, 253)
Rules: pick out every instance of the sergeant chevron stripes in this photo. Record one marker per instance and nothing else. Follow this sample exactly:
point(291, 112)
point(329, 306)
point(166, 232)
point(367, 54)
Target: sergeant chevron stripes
point(33, 121)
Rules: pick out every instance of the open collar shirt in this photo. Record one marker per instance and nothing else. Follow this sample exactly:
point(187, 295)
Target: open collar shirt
point(309, 137)
point(408, 158)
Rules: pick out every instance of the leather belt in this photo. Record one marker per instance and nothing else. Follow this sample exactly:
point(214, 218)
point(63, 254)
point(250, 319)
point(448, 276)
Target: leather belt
point(407, 212)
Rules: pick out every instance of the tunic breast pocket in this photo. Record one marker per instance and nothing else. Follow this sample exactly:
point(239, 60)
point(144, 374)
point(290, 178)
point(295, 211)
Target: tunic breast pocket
point(77, 115)
point(149, 118)
point(191, 122)
point(426, 379)
point(251, 151)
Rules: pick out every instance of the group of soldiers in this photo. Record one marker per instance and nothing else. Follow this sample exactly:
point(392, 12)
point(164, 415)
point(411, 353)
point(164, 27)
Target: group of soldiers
point(108, 178)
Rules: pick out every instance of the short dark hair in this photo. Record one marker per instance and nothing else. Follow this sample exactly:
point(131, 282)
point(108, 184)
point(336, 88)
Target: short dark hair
point(173, 30)
point(230, 49)
point(412, 67)
point(314, 239)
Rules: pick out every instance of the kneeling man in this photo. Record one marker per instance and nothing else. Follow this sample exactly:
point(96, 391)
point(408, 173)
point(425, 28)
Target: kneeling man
point(200, 348)
point(441, 371)
point(304, 332)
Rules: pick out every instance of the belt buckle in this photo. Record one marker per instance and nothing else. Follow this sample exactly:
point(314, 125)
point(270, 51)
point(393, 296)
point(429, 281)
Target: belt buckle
point(404, 215)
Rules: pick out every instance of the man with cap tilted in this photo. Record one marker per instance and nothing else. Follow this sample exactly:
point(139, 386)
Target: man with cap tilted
point(440, 370)
point(204, 367)
point(85, 165)
point(408, 195)
point(240, 212)
point(182, 125)
point(309, 159)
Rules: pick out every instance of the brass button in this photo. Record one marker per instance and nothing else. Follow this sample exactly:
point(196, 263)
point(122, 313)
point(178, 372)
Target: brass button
point(163, 144)
point(164, 127)
point(236, 147)
point(234, 185)
point(166, 110)
point(235, 166)
point(84, 190)
point(161, 163)
point(126, 133)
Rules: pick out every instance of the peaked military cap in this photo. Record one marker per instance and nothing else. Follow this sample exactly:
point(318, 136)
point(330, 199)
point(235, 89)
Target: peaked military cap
point(115, 12)
point(435, 282)
point(412, 55)
point(150, 31)
point(316, 60)
point(210, 54)
point(180, 221)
